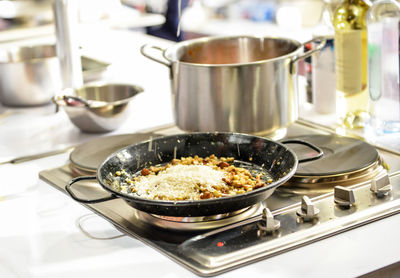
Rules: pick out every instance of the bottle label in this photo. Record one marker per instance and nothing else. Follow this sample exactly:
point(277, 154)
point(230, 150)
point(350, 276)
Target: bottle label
point(351, 61)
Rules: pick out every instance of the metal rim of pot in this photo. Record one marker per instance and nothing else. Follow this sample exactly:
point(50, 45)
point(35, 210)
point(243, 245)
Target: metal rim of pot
point(168, 62)
point(27, 54)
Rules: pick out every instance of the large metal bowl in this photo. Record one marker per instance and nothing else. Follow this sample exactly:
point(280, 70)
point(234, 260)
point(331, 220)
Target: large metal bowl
point(29, 75)
point(98, 107)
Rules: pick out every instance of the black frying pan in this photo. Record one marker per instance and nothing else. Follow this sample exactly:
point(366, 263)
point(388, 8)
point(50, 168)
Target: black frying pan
point(272, 157)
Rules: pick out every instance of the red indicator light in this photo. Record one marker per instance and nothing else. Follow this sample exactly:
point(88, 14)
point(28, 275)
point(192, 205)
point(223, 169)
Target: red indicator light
point(220, 244)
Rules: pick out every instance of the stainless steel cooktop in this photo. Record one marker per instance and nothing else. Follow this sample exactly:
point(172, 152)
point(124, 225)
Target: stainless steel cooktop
point(288, 219)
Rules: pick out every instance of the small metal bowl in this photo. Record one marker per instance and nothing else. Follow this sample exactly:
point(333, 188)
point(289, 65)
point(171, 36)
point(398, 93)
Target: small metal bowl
point(97, 108)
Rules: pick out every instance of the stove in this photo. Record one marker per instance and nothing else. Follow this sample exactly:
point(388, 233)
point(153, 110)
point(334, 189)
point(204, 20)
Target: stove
point(354, 184)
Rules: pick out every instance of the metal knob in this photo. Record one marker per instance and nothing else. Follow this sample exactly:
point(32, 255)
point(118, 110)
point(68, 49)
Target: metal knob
point(344, 197)
point(307, 211)
point(381, 186)
point(268, 224)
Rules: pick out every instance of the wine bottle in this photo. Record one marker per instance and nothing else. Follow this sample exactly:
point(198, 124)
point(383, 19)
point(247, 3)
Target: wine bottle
point(351, 63)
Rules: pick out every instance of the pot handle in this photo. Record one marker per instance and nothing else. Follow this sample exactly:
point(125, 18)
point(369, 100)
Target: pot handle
point(85, 201)
point(320, 46)
point(144, 50)
point(311, 146)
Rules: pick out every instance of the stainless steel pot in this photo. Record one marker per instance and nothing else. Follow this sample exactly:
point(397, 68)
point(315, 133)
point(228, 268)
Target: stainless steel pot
point(29, 75)
point(239, 83)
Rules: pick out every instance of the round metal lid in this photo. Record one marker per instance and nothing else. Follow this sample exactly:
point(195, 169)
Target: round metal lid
point(88, 156)
point(342, 155)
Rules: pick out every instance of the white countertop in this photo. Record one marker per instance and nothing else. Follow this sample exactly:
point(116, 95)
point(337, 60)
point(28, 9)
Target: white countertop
point(39, 235)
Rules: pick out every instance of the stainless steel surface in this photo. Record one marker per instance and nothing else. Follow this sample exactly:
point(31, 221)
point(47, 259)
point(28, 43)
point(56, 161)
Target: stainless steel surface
point(344, 197)
point(201, 254)
point(242, 84)
point(190, 224)
point(66, 23)
point(307, 211)
point(222, 249)
point(242, 244)
point(36, 156)
point(107, 109)
point(29, 75)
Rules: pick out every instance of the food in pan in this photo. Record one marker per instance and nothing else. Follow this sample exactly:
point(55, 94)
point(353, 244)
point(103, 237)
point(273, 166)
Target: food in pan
point(189, 178)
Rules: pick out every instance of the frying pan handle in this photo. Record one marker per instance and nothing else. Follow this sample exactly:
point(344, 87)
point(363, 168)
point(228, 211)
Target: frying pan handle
point(321, 44)
point(311, 146)
point(144, 50)
point(85, 201)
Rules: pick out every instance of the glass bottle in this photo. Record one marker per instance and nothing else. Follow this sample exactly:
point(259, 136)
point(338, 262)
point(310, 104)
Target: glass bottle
point(351, 59)
point(383, 20)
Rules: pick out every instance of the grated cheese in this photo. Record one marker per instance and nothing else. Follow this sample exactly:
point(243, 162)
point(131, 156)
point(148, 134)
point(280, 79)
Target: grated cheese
point(179, 182)
point(189, 178)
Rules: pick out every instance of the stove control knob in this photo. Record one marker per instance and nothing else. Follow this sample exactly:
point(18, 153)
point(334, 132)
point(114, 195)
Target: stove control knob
point(344, 197)
point(268, 224)
point(307, 211)
point(381, 186)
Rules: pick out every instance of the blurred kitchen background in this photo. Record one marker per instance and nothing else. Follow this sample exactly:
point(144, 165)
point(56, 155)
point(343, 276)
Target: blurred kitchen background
point(32, 22)
point(198, 17)
point(108, 35)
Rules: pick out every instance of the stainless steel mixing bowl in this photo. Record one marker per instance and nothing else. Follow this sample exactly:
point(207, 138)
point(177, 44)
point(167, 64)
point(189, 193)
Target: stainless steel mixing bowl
point(29, 75)
point(98, 107)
